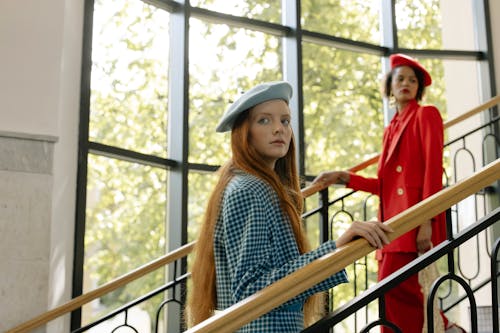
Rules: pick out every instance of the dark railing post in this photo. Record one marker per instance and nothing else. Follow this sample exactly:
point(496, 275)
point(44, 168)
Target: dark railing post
point(377, 291)
point(494, 285)
point(324, 230)
point(449, 234)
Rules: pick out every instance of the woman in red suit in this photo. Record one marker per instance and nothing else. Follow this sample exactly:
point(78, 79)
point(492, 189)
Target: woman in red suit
point(409, 170)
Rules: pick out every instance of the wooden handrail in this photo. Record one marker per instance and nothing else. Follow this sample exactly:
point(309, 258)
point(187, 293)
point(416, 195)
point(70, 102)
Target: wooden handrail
point(279, 292)
point(310, 190)
point(183, 251)
point(81, 300)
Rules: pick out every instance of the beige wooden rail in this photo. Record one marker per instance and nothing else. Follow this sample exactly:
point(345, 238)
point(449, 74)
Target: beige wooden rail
point(183, 251)
point(276, 294)
point(310, 190)
point(81, 300)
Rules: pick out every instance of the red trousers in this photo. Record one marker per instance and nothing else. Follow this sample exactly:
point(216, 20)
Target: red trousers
point(404, 304)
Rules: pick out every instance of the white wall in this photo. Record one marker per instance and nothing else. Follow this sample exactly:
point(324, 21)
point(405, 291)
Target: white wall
point(65, 157)
point(31, 41)
point(40, 51)
point(40, 63)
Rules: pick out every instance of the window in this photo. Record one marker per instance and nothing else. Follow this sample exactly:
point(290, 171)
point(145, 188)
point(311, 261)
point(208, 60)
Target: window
point(136, 185)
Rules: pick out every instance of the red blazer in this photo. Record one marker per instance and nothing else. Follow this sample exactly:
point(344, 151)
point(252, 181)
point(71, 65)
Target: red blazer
point(409, 170)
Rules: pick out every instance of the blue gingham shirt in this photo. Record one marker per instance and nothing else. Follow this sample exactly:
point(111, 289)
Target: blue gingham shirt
point(254, 246)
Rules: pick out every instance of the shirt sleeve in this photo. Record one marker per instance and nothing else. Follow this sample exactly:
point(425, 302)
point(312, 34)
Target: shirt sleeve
point(360, 183)
point(246, 219)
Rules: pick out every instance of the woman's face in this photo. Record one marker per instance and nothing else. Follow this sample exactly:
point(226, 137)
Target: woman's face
point(270, 130)
point(404, 85)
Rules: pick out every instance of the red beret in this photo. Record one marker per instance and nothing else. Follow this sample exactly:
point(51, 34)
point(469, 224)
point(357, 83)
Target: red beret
point(400, 59)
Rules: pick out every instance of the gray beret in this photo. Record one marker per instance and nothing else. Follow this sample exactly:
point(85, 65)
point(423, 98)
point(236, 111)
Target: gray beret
point(258, 94)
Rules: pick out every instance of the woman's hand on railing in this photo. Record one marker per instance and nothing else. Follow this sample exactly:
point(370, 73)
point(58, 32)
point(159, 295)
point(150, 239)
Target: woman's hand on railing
point(328, 178)
point(424, 237)
point(325, 179)
point(373, 231)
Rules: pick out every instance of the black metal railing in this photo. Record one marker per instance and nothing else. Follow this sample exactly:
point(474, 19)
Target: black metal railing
point(446, 248)
point(171, 292)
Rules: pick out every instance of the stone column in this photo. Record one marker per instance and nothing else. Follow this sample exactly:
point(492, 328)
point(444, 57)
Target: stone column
point(26, 163)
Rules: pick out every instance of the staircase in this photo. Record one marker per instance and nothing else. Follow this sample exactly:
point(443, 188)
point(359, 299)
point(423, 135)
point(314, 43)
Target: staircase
point(475, 197)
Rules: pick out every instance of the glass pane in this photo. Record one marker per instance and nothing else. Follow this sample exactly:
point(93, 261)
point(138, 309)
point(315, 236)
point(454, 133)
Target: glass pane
point(435, 93)
point(343, 118)
point(358, 20)
point(223, 62)
point(129, 76)
point(462, 94)
point(125, 228)
point(201, 185)
point(435, 24)
point(264, 10)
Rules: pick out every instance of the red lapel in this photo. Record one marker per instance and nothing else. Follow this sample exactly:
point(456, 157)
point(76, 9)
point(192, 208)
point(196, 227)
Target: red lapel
point(411, 112)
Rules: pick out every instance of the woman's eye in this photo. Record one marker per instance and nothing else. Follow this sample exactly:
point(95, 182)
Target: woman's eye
point(263, 121)
point(285, 122)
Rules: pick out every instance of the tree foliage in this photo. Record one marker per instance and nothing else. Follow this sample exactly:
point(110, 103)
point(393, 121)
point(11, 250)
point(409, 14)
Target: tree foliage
point(125, 217)
point(351, 19)
point(419, 24)
point(269, 10)
point(125, 226)
point(129, 76)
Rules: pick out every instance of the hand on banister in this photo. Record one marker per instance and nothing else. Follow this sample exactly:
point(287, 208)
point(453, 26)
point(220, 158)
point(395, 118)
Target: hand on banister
point(325, 179)
point(328, 178)
point(373, 231)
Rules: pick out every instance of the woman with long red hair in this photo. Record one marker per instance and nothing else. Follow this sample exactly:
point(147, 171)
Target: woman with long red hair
point(252, 233)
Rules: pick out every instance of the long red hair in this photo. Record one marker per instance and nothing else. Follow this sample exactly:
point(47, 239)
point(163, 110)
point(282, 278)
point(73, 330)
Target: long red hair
point(284, 179)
